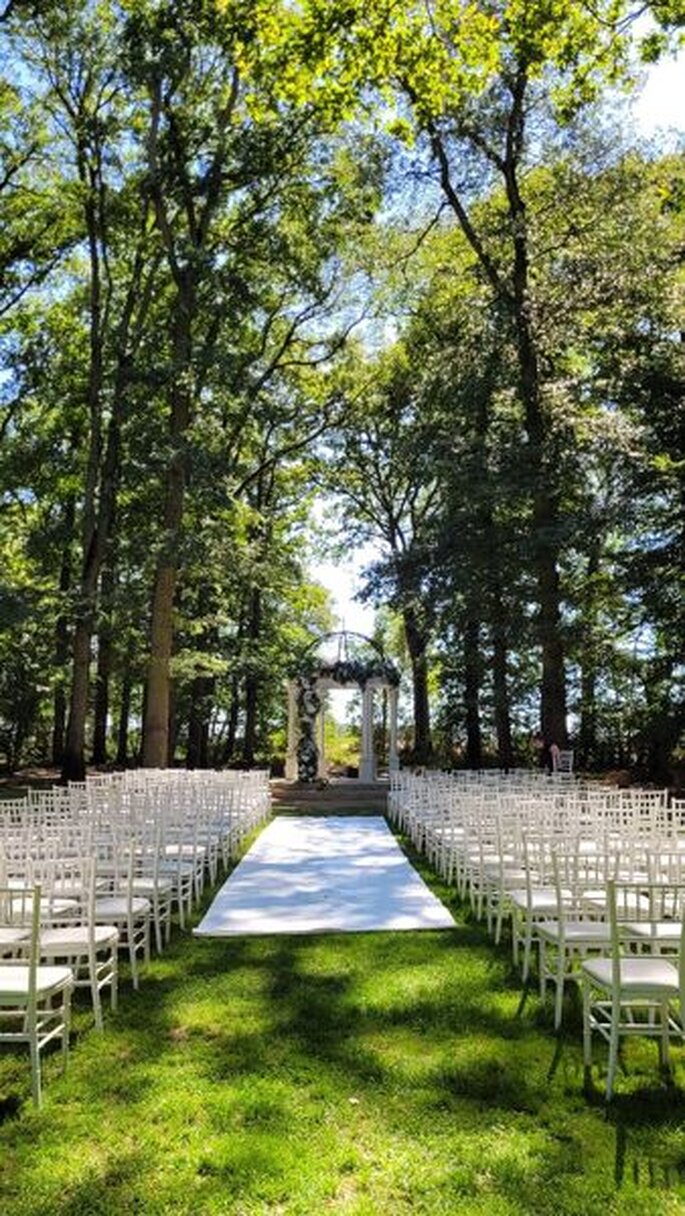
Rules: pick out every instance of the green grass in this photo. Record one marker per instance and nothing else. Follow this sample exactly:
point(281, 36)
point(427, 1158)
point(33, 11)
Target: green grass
point(357, 1074)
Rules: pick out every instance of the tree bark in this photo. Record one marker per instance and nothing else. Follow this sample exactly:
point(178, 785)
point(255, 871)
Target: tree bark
point(124, 718)
point(74, 766)
point(588, 667)
point(544, 497)
point(228, 751)
point(172, 728)
point(103, 477)
point(472, 683)
point(417, 645)
point(513, 291)
point(103, 673)
point(156, 725)
point(252, 681)
point(62, 639)
point(500, 680)
point(201, 691)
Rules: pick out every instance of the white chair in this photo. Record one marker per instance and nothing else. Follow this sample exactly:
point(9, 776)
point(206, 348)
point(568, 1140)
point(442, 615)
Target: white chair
point(632, 994)
point(562, 761)
point(119, 906)
point(573, 932)
point(35, 1001)
point(76, 940)
point(150, 883)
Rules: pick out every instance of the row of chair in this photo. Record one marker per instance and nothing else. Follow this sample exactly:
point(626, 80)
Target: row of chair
point(87, 870)
point(590, 879)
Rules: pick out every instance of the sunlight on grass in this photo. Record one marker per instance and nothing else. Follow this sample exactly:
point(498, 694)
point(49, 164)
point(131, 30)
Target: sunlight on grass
point(361, 1074)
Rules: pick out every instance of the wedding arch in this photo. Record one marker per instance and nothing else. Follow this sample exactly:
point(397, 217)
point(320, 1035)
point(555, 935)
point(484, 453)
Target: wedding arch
point(359, 663)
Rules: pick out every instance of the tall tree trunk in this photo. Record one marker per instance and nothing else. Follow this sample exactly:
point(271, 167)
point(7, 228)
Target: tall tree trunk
point(139, 751)
point(103, 472)
point(500, 680)
point(101, 707)
point(194, 723)
point(156, 724)
point(553, 700)
point(472, 683)
point(104, 669)
point(251, 719)
point(228, 751)
point(417, 645)
point(514, 295)
point(544, 496)
point(83, 630)
point(59, 720)
point(124, 717)
point(99, 527)
point(587, 741)
point(205, 723)
point(172, 728)
point(252, 681)
point(74, 766)
point(202, 689)
point(185, 232)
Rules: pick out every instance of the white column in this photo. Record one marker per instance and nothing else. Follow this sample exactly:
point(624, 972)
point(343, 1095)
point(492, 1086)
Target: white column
point(367, 767)
point(393, 758)
point(321, 724)
point(291, 752)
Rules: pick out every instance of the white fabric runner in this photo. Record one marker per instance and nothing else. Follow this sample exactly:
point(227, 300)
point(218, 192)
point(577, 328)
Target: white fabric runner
point(323, 875)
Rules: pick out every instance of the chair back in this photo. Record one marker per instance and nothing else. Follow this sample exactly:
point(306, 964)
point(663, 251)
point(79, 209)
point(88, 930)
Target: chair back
point(562, 761)
point(638, 912)
point(20, 909)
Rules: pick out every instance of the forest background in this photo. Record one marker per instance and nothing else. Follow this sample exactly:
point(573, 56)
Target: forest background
point(411, 259)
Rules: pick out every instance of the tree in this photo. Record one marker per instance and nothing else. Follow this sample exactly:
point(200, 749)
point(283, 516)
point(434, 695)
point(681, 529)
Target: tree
point(381, 470)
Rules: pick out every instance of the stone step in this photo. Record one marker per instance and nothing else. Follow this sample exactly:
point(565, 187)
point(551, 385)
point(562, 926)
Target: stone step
point(341, 793)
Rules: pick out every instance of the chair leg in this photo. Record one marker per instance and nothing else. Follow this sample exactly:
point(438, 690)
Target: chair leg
point(35, 1071)
point(542, 967)
point(500, 920)
point(587, 1030)
point(613, 1047)
point(181, 907)
point(95, 991)
point(664, 1040)
point(158, 926)
point(515, 936)
point(133, 960)
point(559, 988)
point(527, 945)
point(66, 1030)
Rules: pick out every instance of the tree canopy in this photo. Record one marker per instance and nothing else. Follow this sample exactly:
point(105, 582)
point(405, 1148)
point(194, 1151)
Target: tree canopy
point(401, 254)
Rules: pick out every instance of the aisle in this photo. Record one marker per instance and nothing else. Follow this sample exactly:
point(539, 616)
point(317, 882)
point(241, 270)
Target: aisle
point(323, 875)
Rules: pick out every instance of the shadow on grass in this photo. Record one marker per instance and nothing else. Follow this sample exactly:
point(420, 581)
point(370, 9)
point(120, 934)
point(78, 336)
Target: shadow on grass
point(428, 1018)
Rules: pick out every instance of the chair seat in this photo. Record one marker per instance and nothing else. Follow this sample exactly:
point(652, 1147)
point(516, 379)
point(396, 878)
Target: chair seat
point(76, 938)
point(181, 864)
point(644, 976)
point(597, 901)
point(575, 932)
point(14, 981)
point(12, 937)
point(492, 864)
point(512, 874)
point(149, 885)
point(542, 899)
point(663, 932)
point(115, 907)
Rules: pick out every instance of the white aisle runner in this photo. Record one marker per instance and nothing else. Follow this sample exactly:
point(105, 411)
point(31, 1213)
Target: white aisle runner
point(323, 875)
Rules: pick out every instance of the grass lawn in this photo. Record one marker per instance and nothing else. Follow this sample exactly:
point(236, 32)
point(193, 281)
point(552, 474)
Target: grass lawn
point(362, 1074)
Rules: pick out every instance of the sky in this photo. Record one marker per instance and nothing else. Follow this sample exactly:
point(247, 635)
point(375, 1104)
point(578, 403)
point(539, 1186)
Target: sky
point(661, 104)
point(660, 113)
